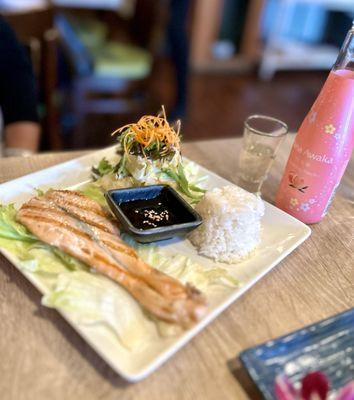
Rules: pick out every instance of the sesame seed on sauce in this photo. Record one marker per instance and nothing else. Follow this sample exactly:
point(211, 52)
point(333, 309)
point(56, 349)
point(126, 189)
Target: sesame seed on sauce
point(145, 214)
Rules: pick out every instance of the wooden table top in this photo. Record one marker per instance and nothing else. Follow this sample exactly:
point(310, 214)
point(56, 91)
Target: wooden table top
point(43, 358)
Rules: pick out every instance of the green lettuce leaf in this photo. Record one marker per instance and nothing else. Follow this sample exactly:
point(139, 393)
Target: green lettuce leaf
point(41, 260)
point(48, 256)
point(10, 228)
point(192, 191)
point(94, 192)
point(94, 299)
point(70, 262)
point(17, 248)
point(121, 167)
point(33, 255)
point(183, 267)
point(104, 167)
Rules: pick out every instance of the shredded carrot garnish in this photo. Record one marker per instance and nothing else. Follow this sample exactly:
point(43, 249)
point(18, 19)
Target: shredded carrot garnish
point(151, 132)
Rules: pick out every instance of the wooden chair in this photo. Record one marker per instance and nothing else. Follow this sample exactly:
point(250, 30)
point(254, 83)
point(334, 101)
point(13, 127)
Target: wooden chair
point(109, 77)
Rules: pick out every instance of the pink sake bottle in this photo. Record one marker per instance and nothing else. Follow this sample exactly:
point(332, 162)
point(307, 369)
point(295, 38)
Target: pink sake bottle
point(323, 145)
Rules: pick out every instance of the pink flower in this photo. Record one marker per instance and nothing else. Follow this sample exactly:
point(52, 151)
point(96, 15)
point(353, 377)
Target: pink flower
point(314, 386)
point(330, 129)
point(347, 393)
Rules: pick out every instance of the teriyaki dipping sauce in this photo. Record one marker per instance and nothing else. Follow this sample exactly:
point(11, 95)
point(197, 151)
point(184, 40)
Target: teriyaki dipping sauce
point(146, 214)
point(162, 210)
point(150, 213)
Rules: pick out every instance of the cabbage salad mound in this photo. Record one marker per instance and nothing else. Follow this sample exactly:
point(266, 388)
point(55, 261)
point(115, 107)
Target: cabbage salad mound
point(149, 153)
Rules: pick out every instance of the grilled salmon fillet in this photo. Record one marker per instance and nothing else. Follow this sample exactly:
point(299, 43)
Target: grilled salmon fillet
point(79, 226)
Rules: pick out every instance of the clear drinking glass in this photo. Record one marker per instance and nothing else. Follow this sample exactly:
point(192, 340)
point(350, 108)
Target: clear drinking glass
point(262, 137)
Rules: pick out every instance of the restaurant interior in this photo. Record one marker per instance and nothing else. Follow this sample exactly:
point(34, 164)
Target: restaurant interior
point(176, 199)
point(100, 64)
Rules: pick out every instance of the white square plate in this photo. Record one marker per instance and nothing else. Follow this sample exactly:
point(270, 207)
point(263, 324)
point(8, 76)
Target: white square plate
point(281, 235)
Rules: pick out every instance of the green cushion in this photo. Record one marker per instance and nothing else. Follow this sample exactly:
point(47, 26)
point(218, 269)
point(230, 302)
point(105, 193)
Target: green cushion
point(90, 31)
point(111, 59)
point(118, 60)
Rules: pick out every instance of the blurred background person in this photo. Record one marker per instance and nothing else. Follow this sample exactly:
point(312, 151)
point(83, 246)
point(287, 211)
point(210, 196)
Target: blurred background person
point(18, 101)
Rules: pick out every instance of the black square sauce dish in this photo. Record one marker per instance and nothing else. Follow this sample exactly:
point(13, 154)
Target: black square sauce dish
point(151, 213)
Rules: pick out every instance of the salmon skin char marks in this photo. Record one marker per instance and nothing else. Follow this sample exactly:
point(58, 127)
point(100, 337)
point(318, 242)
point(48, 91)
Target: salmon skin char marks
point(80, 227)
